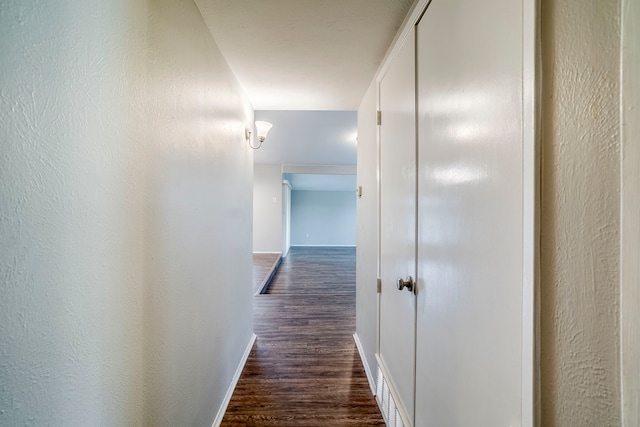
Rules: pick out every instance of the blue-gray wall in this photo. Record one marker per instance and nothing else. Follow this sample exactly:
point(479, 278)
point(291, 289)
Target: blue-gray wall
point(323, 218)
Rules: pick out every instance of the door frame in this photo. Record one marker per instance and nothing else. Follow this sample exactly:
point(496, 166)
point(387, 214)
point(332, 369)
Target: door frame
point(630, 217)
point(531, 77)
point(286, 217)
point(389, 385)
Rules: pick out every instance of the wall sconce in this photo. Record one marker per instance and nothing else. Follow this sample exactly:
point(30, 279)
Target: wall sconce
point(262, 129)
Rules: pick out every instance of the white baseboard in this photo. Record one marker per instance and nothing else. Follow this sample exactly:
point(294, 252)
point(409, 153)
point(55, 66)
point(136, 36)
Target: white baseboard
point(234, 381)
point(266, 252)
point(367, 368)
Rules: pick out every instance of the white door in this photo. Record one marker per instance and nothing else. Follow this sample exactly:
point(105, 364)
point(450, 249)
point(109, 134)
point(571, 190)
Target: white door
point(470, 228)
point(398, 227)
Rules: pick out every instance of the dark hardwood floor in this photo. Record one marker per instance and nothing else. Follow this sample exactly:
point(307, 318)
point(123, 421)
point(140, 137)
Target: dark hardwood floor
point(263, 266)
point(304, 369)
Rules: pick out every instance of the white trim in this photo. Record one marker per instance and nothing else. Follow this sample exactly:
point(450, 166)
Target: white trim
point(321, 169)
point(268, 252)
point(234, 381)
point(410, 21)
point(629, 214)
point(367, 368)
point(530, 216)
point(407, 29)
point(378, 210)
point(323, 246)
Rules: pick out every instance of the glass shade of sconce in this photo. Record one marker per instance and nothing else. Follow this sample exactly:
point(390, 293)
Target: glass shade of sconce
point(262, 129)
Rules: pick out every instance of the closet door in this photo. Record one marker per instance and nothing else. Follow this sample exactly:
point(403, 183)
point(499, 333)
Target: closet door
point(470, 229)
point(398, 228)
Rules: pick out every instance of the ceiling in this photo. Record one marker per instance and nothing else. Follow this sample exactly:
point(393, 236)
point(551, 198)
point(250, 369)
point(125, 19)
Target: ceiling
point(309, 138)
point(304, 54)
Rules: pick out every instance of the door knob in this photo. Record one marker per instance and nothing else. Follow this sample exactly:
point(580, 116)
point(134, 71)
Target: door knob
point(406, 283)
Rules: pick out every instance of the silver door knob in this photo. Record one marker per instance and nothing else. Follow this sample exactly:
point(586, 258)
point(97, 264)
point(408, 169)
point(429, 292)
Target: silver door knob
point(406, 283)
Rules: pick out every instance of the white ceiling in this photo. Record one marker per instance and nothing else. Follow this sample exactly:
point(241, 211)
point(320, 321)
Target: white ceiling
point(304, 54)
point(309, 138)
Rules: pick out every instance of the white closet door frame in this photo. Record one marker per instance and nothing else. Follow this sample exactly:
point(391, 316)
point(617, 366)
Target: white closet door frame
point(398, 209)
point(531, 206)
point(630, 208)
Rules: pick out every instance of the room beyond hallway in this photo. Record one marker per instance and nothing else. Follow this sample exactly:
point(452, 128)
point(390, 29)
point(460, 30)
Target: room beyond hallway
point(304, 369)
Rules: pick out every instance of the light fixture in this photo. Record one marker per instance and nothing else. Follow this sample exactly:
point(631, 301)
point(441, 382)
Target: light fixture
point(262, 129)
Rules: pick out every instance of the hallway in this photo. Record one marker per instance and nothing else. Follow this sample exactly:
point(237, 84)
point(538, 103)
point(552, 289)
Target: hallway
point(304, 369)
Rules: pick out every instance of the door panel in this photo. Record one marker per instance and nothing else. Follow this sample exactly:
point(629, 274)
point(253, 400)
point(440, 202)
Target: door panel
point(398, 224)
point(470, 230)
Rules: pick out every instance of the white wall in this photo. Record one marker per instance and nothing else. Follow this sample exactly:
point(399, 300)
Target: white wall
point(125, 216)
point(198, 317)
point(580, 213)
point(267, 208)
point(73, 160)
point(367, 231)
point(323, 218)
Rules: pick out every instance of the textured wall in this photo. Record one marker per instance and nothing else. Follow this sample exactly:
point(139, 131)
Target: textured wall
point(72, 163)
point(125, 215)
point(367, 234)
point(267, 208)
point(198, 317)
point(323, 218)
point(580, 213)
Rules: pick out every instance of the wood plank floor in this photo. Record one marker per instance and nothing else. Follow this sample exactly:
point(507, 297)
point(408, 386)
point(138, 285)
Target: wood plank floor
point(263, 264)
point(304, 369)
